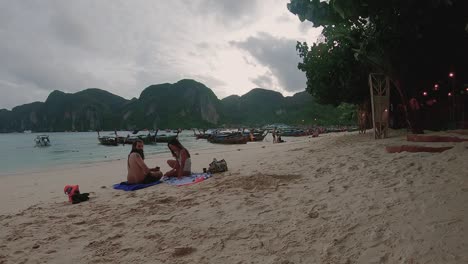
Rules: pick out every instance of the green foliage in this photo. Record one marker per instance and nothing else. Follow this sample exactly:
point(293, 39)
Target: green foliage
point(415, 42)
point(260, 107)
point(348, 113)
point(89, 109)
point(184, 104)
point(255, 107)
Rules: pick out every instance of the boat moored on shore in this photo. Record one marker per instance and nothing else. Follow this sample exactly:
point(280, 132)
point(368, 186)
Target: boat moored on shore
point(42, 141)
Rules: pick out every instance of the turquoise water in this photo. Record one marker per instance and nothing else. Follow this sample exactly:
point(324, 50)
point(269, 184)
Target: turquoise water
point(18, 151)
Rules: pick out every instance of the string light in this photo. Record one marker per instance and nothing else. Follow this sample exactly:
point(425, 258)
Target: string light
point(424, 93)
point(451, 74)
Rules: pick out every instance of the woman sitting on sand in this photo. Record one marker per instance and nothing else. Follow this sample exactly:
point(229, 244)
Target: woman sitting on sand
point(138, 172)
point(182, 164)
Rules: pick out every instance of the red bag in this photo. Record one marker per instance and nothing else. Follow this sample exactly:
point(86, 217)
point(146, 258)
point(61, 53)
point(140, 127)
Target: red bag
point(71, 190)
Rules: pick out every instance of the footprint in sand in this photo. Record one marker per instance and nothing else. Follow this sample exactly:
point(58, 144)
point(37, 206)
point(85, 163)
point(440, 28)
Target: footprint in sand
point(313, 214)
point(183, 251)
point(120, 224)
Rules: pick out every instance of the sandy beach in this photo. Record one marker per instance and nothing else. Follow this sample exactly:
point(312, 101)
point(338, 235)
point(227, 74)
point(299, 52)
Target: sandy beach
point(338, 198)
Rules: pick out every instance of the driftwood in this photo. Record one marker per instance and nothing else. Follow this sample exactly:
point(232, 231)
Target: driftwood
point(409, 148)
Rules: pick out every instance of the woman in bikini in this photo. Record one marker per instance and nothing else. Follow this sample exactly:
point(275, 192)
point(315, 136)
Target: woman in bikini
point(182, 164)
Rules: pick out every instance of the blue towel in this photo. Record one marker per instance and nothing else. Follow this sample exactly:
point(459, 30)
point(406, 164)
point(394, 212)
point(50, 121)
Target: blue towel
point(133, 187)
point(187, 180)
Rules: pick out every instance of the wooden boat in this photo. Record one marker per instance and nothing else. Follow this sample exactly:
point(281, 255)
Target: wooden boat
point(295, 133)
point(147, 139)
point(42, 141)
point(228, 138)
point(201, 135)
point(256, 135)
point(116, 139)
point(165, 138)
point(108, 141)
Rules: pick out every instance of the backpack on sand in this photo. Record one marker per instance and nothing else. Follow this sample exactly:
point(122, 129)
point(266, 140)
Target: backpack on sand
point(218, 166)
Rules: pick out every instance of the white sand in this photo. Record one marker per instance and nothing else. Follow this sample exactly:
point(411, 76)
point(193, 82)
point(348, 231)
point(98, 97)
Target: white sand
point(332, 199)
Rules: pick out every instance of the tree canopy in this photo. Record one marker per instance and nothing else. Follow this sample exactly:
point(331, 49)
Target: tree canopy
point(415, 42)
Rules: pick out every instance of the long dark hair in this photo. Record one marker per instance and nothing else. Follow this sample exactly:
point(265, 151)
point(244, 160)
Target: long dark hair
point(134, 149)
point(176, 142)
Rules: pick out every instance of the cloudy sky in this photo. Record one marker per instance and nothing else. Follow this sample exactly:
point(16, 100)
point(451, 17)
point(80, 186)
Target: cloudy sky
point(125, 46)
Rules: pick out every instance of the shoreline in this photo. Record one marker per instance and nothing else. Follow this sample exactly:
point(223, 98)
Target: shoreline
point(333, 199)
point(48, 179)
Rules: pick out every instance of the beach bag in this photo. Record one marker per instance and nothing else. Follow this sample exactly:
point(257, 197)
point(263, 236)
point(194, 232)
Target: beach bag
point(74, 195)
point(218, 166)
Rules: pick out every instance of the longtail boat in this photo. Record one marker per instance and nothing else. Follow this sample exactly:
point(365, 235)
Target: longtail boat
point(228, 138)
point(147, 139)
point(108, 140)
point(42, 141)
point(256, 135)
point(164, 138)
point(201, 135)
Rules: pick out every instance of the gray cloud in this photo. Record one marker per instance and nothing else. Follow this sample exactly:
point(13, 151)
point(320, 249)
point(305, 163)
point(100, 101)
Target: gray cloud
point(279, 55)
point(203, 45)
point(263, 81)
point(124, 46)
point(305, 26)
point(70, 47)
point(284, 18)
point(209, 81)
point(228, 12)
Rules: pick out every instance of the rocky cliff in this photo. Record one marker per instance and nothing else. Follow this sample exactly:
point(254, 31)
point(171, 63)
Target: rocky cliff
point(184, 104)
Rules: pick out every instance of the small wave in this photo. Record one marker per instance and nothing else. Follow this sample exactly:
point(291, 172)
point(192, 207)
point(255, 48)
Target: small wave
point(63, 151)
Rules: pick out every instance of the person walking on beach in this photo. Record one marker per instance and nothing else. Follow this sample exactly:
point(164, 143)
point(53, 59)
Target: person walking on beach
point(182, 164)
point(138, 172)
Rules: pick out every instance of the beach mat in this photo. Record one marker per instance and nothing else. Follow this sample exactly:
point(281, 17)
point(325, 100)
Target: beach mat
point(424, 138)
point(188, 180)
point(408, 148)
point(133, 187)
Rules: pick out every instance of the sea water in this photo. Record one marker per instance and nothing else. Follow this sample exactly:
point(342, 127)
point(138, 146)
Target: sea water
point(18, 152)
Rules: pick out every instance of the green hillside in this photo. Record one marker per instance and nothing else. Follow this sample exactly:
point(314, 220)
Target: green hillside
point(184, 104)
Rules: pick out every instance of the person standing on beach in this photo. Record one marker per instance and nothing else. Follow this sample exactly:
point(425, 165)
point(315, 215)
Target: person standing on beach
point(182, 164)
point(274, 135)
point(138, 172)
